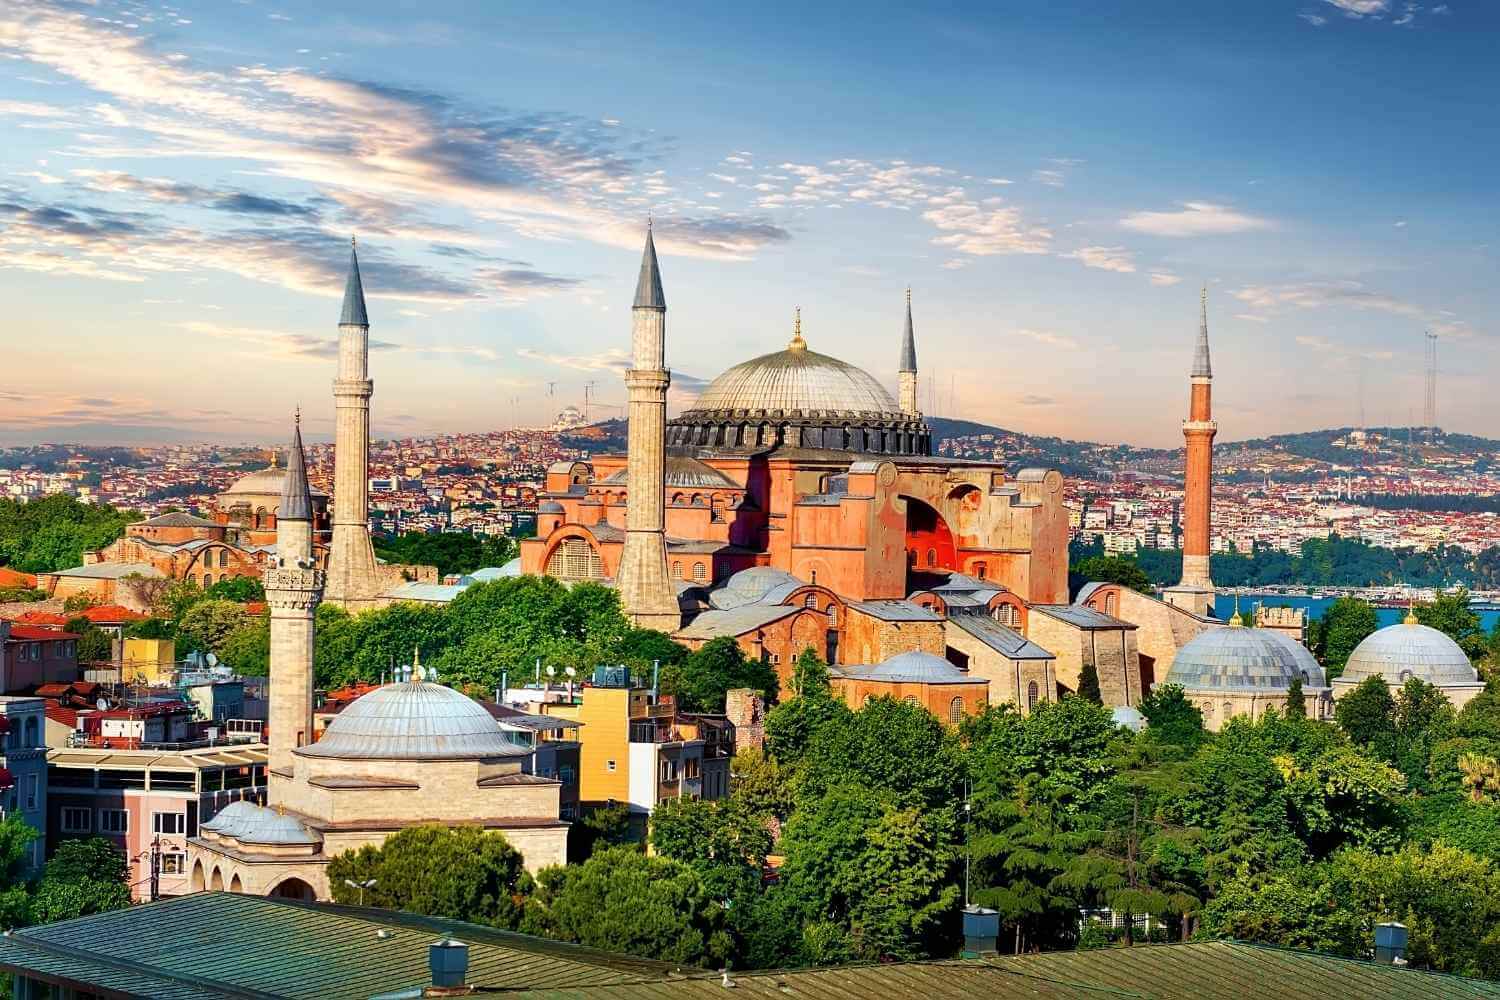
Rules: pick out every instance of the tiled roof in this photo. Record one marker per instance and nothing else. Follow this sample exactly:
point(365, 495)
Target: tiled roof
point(180, 519)
point(178, 949)
point(1081, 617)
point(998, 637)
point(109, 571)
point(735, 621)
point(896, 611)
point(35, 632)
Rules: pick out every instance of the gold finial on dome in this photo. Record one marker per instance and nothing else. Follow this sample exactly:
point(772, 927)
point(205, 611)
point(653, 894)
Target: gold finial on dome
point(797, 344)
point(1411, 612)
point(1234, 620)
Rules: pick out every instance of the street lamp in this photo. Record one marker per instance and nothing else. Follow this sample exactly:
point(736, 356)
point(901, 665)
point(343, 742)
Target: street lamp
point(368, 883)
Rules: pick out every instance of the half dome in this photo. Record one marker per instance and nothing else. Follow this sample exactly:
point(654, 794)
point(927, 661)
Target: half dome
point(1399, 652)
point(413, 720)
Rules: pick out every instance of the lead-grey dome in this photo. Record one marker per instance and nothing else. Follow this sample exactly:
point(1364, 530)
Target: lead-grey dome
point(798, 379)
point(913, 667)
point(1234, 658)
point(756, 585)
point(1399, 652)
point(413, 720)
point(228, 822)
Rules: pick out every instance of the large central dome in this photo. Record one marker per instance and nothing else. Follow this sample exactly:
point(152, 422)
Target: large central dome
point(799, 380)
point(802, 399)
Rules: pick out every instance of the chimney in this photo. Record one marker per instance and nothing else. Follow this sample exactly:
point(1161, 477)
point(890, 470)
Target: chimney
point(448, 962)
point(1390, 943)
point(981, 928)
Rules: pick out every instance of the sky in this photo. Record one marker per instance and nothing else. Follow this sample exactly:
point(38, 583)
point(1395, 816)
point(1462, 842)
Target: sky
point(1055, 182)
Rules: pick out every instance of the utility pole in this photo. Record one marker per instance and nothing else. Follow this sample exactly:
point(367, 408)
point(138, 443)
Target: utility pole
point(155, 867)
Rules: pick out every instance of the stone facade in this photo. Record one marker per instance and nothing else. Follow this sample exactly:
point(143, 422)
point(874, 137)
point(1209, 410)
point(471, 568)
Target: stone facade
point(1161, 629)
point(1110, 645)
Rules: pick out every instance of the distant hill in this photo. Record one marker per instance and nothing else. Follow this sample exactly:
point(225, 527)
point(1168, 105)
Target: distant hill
point(1309, 451)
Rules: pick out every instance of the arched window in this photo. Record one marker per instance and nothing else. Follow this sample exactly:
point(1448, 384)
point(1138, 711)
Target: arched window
point(223, 558)
point(1008, 615)
point(575, 559)
point(932, 557)
point(208, 580)
point(677, 570)
point(980, 571)
point(1208, 710)
point(1228, 709)
point(700, 572)
point(833, 615)
point(1031, 693)
point(677, 499)
point(697, 499)
point(810, 601)
point(956, 711)
point(911, 558)
point(1109, 602)
point(31, 733)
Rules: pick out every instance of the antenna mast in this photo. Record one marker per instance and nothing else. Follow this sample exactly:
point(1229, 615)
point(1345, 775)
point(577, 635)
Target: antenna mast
point(1429, 411)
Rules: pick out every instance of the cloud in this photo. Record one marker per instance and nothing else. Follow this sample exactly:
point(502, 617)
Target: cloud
point(1164, 278)
point(1049, 338)
point(1196, 218)
point(1316, 20)
point(983, 230)
point(1104, 258)
point(546, 175)
point(1051, 178)
point(180, 192)
point(1351, 295)
point(1031, 399)
point(1360, 8)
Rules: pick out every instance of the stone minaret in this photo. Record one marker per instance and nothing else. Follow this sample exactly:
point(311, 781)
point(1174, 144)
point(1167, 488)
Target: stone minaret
point(646, 592)
point(353, 581)
point(294, 586)
point(909, 363)
point(1196, 591)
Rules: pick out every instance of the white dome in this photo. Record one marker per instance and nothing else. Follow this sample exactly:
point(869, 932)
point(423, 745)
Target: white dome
point(800, 380)
point(413, 720)
point(229, 821)
point(1399, 652)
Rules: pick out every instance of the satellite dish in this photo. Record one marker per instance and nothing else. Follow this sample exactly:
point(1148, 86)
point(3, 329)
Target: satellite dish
point(213, 661)
point(102, 704)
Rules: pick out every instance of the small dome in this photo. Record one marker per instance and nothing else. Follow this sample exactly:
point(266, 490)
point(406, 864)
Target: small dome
point(914, 667)
point(796, 379)
point(227, 822)
point(1235, 658)
point(270, 827)
point(756, 585)
point(412, 720)
point(685, 472)
point(1399, 652)
point(266, 482)
point(549, 507)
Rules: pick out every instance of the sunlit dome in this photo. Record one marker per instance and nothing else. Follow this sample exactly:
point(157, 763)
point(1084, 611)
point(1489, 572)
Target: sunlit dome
point(1399, 652)
point(798, 379)
point(413, 720)
point(1236, 658)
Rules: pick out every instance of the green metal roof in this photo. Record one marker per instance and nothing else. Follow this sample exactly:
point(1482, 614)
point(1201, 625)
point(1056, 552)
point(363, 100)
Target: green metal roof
point(224, 945)
point(1207, 971)
point(220, 944)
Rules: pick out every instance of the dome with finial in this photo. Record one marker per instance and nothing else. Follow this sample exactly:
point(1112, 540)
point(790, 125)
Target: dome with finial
point(1235, 657)
point(413, 720)
point(754, 403)
point(1410, 649)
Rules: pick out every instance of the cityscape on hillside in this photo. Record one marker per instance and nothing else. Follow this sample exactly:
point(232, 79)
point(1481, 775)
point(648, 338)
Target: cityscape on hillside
point(476, 518)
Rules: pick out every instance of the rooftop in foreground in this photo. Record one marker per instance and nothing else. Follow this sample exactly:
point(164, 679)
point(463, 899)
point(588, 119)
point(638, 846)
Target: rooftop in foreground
point(193, 948)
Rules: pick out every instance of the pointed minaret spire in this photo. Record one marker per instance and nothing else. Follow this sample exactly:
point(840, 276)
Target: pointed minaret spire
point(354, 293)
point(908, 371)
point(908, 340)
point(648, 293)
point(296, 497)
point(1201, 367)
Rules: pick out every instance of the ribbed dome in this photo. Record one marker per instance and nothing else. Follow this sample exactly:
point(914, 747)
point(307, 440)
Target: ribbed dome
point(262, 483)
point(1399, 652)
point(802, 380)
point(1235, 658)
point(756, 585)
point(413, 720)
point(229, 821)
point(272, 828)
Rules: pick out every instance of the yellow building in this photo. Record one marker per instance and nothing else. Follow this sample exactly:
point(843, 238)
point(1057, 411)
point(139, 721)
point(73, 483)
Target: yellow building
point(148, 661)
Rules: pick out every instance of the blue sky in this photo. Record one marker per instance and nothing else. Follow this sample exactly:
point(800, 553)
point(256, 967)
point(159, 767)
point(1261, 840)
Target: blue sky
point(1055, 181)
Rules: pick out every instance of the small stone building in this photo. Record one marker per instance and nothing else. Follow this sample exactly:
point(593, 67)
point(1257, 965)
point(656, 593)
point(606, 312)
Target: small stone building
point(1237, 671)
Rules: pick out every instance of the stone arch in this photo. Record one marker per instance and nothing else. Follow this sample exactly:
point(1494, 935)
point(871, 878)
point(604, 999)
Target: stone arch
point(198, 883)
point(573, 554)
point(235, 885)
point(216, 883)
point(293, 888)
point(1009, 610)
point(928, 534)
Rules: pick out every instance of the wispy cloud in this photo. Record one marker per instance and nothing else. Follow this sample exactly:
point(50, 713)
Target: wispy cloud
point(1049, 338)
point(1104, 258)
point(1195, 218)
point(1164, 278)
point(1351, 295)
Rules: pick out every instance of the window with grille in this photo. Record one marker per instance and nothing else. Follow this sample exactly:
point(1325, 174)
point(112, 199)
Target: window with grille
point(1031, 694)
point(575, 559)
point(956, 711)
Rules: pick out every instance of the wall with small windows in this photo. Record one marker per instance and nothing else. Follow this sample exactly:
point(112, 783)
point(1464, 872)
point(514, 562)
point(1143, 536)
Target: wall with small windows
point(23, 766)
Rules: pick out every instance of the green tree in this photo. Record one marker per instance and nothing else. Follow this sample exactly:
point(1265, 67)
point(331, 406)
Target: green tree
point(247, 649)
point(208, 623)
point(792, 725)
point(1346, 623)
point(810, 675)
point(624, 901)
point(82, 877)
point(701, 681)
point(150, 628)
point(1088, 684)
point(1173, 720)
point(893, 746)
point(1113, 569)
point(240, 589)
point(1296, 701)
point(1451, 614)
point(1368, 714)
point(15, 851)
point(602, 826)
point(464, 873)
point(94, 644)
point(760, 783)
